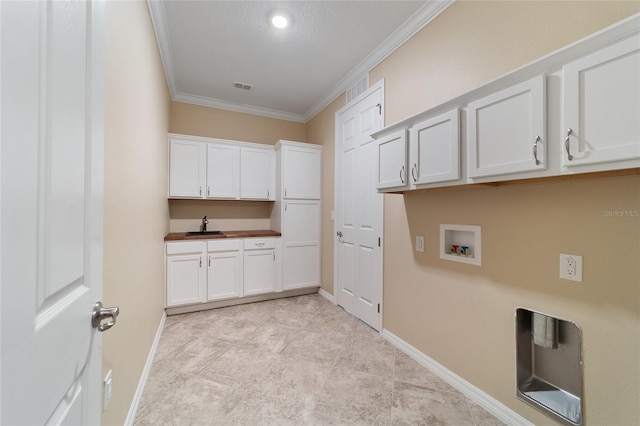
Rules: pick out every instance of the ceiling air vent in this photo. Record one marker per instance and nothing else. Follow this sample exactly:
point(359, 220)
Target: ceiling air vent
point(357, 89)
point(244, 86)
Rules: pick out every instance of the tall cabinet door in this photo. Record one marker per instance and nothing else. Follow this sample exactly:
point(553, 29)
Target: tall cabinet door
point(301, 238)
point(507, 130)
point(302, 173)
point(257, 177)
point(223, 170)
point(187, 168)
point(435, 149)
point(602, 106)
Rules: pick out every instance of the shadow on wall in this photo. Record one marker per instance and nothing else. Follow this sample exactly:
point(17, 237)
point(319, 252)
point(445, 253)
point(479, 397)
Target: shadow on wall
point(526, 227)
point(219, 209)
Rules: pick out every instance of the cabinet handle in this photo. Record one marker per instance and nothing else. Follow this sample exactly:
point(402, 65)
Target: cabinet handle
point(567, 144)
point(267, 193)
point(414, 168)
point(274, 256)
point(201, 262)
point(285, 192)
point(200, 192)
point(208, 191)
point(285, 206)
point(402, 174)
point(209, 261)
point(535, 150)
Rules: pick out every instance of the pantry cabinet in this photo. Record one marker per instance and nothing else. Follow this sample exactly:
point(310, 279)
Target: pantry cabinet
point(185, 274)
point(507, 130)
point(434, 149)
point(392, 160)
point(601, 103)
point(297, 213)
point(224, 269)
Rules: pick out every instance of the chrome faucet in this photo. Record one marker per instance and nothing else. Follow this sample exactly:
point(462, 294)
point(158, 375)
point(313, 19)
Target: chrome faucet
point(204, 224)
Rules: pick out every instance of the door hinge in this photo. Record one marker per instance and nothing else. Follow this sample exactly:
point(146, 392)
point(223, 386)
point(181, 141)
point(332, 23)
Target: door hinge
point(378, 308)
point(379, 109)
point(378, 241)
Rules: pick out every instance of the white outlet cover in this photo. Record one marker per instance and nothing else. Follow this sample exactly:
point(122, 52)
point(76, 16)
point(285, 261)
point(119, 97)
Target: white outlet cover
point(571, 267)
point(420, 244)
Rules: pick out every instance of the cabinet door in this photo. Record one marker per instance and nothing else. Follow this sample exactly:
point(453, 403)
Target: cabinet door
point(259, 271)
point(435, 149)
point(507, 131)
point(223, 170)
point(187, 168)
point(185, 279)
point(301, 238)
point(257, 173)
point(301, 173)
point(392, 160)
point(602, 106)
point(224, 275)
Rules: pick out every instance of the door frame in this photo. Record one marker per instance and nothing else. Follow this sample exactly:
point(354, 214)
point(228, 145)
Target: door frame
point(379, 85)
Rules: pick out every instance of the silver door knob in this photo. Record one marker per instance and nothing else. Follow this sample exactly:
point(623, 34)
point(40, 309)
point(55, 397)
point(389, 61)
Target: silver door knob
point(100, 314)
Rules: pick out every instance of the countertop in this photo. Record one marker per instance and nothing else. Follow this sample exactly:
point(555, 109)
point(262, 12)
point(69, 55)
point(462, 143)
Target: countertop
point(179, 236)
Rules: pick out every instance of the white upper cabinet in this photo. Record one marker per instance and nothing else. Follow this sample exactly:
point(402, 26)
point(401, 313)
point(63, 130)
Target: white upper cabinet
point(207, 168)
point(257, 173)
point(223, 171)
point(187, 168)
point(602, 106)
point(301, 171)
point(434, 146)
point(392, 160)
point(507, 131)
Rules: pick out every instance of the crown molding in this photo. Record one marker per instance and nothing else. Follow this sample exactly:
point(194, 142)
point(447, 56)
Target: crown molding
point(415, 23)
point(230, 106)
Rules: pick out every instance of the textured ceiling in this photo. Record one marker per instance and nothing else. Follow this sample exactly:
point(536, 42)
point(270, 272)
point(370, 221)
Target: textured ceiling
point(207, 45)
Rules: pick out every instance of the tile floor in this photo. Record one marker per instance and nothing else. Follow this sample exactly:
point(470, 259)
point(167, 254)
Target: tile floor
point(294, 361)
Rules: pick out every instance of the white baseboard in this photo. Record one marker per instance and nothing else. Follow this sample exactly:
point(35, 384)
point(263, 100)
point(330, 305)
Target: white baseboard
point(327, 296)
point(481, 398)
point(133, 409)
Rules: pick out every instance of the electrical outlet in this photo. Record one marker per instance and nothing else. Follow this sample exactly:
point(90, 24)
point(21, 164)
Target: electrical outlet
point(106, 391)
point(420, 244)
point(571, 267)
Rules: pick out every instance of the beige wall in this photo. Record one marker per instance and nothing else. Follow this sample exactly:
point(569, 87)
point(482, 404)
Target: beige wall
point(217, 123)
point(321, 130)
point(136, 215)
point(463, 315)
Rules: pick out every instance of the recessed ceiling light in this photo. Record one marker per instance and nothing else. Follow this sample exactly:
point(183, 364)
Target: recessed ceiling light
point(279, 21)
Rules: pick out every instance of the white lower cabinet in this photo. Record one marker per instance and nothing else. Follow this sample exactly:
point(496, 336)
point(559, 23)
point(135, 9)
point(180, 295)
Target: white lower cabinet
point(224, 269)
point(210, 270)
point(259, 266)
point(185, 275)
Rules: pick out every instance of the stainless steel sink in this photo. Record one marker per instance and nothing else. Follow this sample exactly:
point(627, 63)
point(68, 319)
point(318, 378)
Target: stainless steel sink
point(189, 234)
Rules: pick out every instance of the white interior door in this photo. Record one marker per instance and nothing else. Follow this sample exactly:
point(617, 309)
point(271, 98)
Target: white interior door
point(51, 210)
point(359, 208)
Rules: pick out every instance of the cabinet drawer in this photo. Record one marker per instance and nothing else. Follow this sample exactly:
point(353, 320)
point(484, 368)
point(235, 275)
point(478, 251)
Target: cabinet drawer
point(224, 245)
point(259, 243)
point(185, 247)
